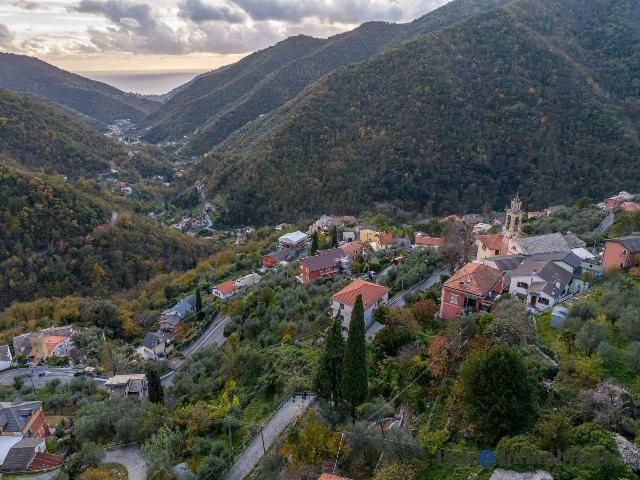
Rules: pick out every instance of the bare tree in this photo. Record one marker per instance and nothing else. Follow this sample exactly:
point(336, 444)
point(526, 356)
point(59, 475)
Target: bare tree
point(458, 246)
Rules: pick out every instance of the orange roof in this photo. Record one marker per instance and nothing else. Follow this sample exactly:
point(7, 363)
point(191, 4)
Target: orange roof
point(328, 476)
point(385, 239)
point(226, 287)
point(492, 242)
point(430, 241)
point(475, 279)
point(51, 341)
point(630, 206)
point(352, 248)
point(371, 292)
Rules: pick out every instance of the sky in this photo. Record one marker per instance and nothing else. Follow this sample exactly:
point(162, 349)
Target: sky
point(160, 35)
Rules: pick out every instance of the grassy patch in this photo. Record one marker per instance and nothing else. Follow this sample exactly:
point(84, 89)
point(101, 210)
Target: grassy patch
point(118, 471)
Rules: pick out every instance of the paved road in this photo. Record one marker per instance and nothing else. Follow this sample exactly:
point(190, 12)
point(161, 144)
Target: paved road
point(132, 459)
point(398, 301)
point(249, 458)
point(427, 283)
point(606, 224)
point(213, 335)
point(65, 375)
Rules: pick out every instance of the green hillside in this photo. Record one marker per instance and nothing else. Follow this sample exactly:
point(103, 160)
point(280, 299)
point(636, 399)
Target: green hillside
point(223, 101)
point(60, 238)
point(99, 101)
point(43, 138)
point(536, 96)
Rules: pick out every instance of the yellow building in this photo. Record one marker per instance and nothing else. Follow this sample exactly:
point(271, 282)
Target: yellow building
point(368, 235)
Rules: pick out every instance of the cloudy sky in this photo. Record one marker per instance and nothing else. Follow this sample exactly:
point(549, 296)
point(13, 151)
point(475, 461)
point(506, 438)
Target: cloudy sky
point(93, 35)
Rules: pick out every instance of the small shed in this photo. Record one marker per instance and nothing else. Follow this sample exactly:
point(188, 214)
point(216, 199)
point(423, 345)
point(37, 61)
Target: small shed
point(558, 317)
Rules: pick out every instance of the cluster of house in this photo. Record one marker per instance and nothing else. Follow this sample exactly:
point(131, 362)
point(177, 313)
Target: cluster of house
point(542, 269)
point(226, 290)
point(623, 200)
point(158, 344)
point(357, 241)
point(23, 429)
point(38, 346)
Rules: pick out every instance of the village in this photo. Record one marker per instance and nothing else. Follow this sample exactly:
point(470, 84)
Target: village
point(479, 260)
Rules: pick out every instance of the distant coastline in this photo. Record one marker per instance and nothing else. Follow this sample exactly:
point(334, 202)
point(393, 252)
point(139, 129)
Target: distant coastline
point(147, 82)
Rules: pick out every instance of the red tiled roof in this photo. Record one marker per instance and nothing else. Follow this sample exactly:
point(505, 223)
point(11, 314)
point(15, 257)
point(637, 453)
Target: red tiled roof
point(371, 292)
point(430, 241)
point(44, 461)
point(475, 279)
point(630, 206)
point(492, 242)
point(226, 287)
point(328, 476)
point(385, 239)
point(352, 248)
point(51, 341)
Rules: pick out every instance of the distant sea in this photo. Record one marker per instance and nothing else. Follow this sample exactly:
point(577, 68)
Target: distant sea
point(146, 82)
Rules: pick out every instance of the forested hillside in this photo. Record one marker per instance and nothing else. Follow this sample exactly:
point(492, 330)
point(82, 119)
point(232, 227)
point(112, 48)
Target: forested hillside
point(44, 139)
point(61, 239)
point(224, 100)
point(536, 96)
point(101, 102)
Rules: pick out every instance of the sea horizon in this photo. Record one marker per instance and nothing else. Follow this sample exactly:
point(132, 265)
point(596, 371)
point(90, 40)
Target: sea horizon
point(145, 82)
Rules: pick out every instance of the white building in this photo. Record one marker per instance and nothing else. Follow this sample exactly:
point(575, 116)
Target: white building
point(373, 296)
point(294, 240)
point(541, 283)
point(5, 357)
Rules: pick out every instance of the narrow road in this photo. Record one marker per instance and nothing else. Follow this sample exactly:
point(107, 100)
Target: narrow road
point(606, 224)
point(287, 413)
point(132, 459)
point(213, 335)
point(398, 301)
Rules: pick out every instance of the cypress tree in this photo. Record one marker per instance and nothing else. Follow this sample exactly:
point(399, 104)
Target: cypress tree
point(329, 376)
point(354, 365)
point(334, 236)
point(156, 390)
point(314, 243)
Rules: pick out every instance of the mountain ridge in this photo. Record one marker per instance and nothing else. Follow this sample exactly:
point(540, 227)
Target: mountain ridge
point(479, 97)
point(99, 101)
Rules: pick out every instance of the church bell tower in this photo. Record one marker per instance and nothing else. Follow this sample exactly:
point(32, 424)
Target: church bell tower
point(513, 225)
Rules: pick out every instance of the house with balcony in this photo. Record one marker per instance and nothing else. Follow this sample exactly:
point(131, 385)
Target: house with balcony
point(294, 241)
point(324, 264)
point(540, 283)
point(471, 289)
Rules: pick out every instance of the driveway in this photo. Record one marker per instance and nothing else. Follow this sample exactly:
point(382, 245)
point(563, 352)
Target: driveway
point(132, 459)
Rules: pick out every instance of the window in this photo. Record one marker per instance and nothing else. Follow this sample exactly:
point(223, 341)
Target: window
point(523, 285)
point(342, 306)
point(453, 299)
point(544, 301)
point(497, 252)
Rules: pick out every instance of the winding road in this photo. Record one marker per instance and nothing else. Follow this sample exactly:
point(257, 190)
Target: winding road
point(131, 458)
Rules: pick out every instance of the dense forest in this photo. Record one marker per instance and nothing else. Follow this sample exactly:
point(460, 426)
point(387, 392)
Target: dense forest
point(44, 139)
point(224, 100)
point(99, 101)
point(63, 239)
point(538, 91)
